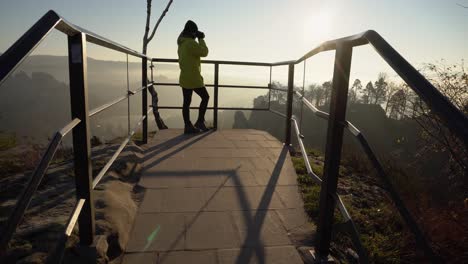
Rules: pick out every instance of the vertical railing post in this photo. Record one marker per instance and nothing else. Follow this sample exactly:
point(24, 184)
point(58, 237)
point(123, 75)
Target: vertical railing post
point(215, 102)
point(152, 76)
point(303, 94)
point(289, 102)
point(128, 101)
point(77, 62)
point(144, 98)
point(333, 148)
point(269, 90)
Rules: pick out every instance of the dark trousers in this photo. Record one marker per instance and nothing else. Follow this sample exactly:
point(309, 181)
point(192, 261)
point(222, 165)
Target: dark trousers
point(203, 93)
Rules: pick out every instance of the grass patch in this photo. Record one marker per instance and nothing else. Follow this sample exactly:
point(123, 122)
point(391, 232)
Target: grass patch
point(299, 165)
point(314, 153)
point(378, 223)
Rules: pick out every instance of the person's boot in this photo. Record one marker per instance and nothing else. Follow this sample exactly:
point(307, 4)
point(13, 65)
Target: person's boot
point(201, 125)
point(190, 129)
point(160, 123)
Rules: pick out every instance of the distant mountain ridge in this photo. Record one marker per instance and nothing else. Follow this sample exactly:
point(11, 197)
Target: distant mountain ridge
point(35, 102)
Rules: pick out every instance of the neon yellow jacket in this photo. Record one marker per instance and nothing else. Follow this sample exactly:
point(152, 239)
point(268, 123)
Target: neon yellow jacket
point(189, 52)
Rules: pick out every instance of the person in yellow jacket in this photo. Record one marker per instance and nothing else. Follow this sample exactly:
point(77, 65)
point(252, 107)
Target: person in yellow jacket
point(190, 79)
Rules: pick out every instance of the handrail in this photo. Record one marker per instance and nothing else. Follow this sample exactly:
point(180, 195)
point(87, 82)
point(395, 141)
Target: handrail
point(10, 60)
point(351, 128)
point(14, 55)
point(116, 101)
point(455, 120)
point(243, 63)
point(219, 85)
point(402, 209)
point(344, 212)
point(106, 167)
point(57, 253)
point(34, 182)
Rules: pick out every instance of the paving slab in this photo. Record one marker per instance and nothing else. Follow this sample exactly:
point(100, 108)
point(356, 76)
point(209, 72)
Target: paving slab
point(246, 144)
point(271, 255)
point(241, 178)
point(131, 258)
point(157, 232)
point(292, 218)
point(192, 257)
point(174, 200)
point(290, 196)
point(226, 196)
point(260, 228)
point(211, 230)
point(245, 198)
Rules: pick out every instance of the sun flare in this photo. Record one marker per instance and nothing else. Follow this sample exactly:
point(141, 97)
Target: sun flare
point(318, 26)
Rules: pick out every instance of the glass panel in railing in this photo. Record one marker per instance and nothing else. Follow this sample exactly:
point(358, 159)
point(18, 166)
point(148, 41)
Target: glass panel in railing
point(279, 76)
point(244, 75)
point(299, 76)
point(279, 86)
point(173, 117)
point(109, 78)
point(107, 74)
point(243, 98)
point(166, 72)
point(135, 100)
point(207, 71)
point(298, 107)
point(317, 90)
point(34, 105)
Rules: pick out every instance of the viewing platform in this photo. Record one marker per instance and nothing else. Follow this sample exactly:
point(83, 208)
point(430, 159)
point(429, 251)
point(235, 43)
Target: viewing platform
point(228, 196)
point(224, 196)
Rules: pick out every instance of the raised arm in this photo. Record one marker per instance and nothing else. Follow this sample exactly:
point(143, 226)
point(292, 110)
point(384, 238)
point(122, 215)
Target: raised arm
point(199, 49)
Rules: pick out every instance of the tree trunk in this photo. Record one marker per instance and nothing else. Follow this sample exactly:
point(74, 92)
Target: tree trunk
point(146, 40)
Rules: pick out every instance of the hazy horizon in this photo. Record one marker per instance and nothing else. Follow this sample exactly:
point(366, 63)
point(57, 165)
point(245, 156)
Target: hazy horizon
point(266, 31)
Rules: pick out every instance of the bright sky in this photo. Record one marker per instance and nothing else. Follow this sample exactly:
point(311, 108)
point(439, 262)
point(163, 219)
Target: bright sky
point(262, 30)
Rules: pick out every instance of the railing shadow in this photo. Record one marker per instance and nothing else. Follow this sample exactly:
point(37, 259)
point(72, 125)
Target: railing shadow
point(182, 138)
point(255, 223)
point(252, 246)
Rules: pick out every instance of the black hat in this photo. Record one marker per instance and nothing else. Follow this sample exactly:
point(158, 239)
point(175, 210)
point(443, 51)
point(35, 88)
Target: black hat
point(190, 27)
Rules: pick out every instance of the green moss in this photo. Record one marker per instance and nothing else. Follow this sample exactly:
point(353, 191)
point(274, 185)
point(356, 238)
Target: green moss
point(299, 165)
point(7, 141)
point(311, 196)
point(343, 171)
point(382, 248)
point(317, 169)
point(314, 152)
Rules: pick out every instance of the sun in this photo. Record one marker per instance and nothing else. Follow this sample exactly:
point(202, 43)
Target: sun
point(318, 26)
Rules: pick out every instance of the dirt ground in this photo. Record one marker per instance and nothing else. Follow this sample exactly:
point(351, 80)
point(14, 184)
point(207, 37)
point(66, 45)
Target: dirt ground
point(116, 201)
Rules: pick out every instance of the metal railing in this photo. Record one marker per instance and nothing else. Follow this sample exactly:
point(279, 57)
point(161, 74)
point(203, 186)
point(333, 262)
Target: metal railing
point(455, 120)
point(83, 212)
point(216, 85)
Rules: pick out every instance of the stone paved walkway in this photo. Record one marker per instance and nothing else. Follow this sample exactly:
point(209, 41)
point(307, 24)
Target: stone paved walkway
point(228, 196)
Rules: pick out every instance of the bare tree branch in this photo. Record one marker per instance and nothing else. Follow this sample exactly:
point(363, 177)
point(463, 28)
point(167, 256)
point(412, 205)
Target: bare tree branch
point(148, 19)
point(159, 20)
point(462, 5)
